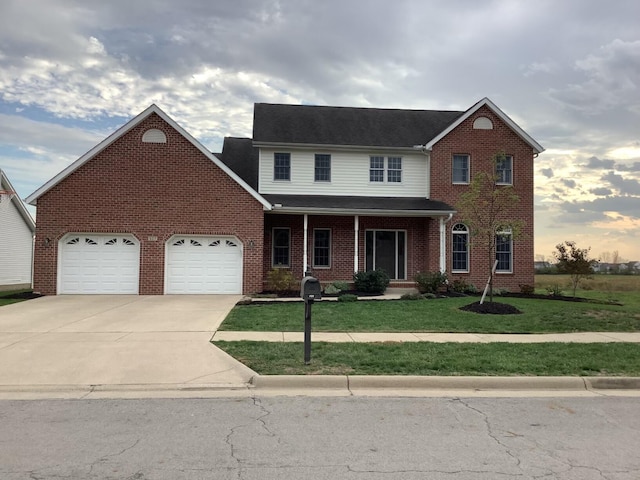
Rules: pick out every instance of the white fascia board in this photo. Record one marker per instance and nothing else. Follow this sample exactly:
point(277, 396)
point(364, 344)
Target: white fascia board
point(363, 212)
point(32, 199)
point(503, 116)
point(5, 184)
point(327, 147)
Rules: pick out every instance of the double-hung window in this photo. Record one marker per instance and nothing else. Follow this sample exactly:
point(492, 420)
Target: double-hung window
point(460, 172)
point(394, 169)
point(282, 166)
point(322, 169)
point(376, 169)
point(504, 170)
point(504, 251)
point(460, 251)
point(281, 240)
point(321, 248)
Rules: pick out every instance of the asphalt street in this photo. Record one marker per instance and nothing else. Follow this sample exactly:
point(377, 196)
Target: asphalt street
point(321, 438)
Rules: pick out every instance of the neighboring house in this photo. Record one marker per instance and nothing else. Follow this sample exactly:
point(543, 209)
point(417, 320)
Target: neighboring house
point(541, 265)
point(16, 239)
point(331, 190)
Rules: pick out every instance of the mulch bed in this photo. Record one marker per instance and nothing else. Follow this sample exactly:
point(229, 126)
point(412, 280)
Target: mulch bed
point(21, 295)
point(494, 308)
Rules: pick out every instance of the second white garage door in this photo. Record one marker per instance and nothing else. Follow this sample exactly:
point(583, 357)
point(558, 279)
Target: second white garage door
point(203, 265)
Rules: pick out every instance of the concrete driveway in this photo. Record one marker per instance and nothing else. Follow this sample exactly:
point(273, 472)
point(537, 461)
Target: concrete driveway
point(116, 340)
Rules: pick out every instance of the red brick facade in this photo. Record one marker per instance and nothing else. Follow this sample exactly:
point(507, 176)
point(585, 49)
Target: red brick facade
point(156, 190)
point(482, 145)
point(150, 190)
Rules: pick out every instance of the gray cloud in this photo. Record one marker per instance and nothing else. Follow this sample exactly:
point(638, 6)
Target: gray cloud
point(596, 163)
point(601, 191)
point(547, 172)
point(568, 183)
point(634, 167)
point(624, 186)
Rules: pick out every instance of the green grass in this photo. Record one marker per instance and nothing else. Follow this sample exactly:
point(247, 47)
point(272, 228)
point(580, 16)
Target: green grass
point(8, 301)
point(497, 359)
point(439, 315)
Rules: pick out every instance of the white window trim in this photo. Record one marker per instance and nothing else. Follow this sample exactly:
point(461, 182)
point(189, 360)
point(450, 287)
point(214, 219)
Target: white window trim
point(273, 247)
point(313, 251)
point(512, 173)
point(290, 167)
point(510, 233)
point(468, 181)
point(385, 170)
point(453, 232)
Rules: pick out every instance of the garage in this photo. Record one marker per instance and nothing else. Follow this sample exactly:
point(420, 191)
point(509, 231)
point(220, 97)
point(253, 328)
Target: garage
point(203, 265)
point(99, 264)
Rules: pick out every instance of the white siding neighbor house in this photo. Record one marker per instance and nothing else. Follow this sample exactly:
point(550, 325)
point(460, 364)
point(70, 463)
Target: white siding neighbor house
point(17, 229)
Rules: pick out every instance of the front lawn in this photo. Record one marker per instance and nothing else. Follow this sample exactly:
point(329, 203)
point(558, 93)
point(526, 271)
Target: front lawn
point(438, 315)
point(542, 359)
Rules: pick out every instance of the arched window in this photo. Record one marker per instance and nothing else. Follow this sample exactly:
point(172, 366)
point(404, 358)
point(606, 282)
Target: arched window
point(153, 135)
point(460, 250)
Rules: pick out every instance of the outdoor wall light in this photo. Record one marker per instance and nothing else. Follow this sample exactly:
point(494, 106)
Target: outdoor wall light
point(251, 244)
point(47, 242)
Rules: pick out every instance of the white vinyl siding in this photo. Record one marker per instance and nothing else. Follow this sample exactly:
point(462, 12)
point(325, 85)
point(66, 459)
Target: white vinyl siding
point(350, 175)
point(16, 248)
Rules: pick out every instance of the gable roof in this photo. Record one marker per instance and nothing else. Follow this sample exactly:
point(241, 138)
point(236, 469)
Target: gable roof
point(242, 157)
point(347, 126)
point(33, 198)
point(537, 148)
point(5, 184)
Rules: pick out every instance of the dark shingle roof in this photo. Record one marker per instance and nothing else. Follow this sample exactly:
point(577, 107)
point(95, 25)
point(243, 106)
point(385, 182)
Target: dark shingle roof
point(241, 156)
point(303, 124)
point(326, 202)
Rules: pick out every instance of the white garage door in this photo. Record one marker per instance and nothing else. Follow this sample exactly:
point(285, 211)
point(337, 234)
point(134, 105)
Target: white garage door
point(203, 265)
point(99, 264)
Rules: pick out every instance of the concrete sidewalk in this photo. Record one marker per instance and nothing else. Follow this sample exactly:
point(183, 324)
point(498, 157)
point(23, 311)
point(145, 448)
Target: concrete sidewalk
point(360, 337)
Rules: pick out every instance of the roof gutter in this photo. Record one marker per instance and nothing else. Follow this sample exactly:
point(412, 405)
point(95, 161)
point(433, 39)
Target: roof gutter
point(361, 211)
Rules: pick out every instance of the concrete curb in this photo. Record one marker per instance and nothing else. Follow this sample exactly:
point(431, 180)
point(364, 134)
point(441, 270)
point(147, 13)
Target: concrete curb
point(372, 382)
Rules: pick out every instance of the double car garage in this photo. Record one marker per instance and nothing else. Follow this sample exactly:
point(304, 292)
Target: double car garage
point(110, 264)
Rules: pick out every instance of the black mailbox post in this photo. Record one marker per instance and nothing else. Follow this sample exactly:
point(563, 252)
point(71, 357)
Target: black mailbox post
point(310, 290)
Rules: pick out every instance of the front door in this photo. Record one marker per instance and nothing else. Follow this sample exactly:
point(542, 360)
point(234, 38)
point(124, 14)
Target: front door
point(385, 249)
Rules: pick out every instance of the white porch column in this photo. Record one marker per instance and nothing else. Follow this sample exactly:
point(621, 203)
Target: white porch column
point(443, 243)
point(305, 261)
point(356, 228)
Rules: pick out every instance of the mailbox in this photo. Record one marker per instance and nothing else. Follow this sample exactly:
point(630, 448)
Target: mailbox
point(310, 288)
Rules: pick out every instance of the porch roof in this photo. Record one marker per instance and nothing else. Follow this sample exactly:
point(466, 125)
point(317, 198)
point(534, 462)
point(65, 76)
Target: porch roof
point(349, 205)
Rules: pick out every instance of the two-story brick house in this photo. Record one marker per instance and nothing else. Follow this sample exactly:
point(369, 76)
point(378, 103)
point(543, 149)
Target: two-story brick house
point(333, 190)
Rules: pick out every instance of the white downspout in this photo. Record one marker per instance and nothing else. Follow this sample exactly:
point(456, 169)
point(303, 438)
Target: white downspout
point(305, 262)
point(443, 243)
point(356, 229)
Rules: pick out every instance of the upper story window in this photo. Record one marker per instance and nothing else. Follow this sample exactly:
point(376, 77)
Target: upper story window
point(460, 171)
point(322, 172)
point(282, 166)
point(394, 170)
point(377, 169)
point(504, 170)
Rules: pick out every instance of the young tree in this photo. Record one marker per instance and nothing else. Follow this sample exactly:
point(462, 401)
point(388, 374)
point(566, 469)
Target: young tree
point(574, 261)
point(485, 208)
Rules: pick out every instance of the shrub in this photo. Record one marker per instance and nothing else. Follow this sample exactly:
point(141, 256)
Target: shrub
point(554, 290)
point(460, 285)
point(373, 281)
point(527, 289)
point(280, 280)
point(430, 282)
point(429, 296)
point(471, 289)
point(411, 296)
point(336, 287)
point(348, 297)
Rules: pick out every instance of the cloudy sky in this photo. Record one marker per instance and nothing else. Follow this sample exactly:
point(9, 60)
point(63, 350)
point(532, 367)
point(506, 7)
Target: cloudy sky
point(567, 71)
